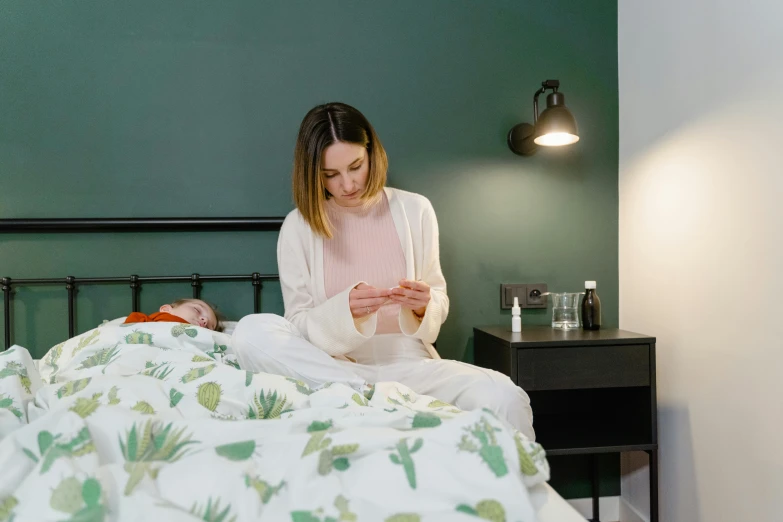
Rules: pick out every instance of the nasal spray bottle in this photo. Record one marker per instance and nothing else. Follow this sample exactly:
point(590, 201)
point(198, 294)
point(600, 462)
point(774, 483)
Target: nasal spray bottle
point(516, 320)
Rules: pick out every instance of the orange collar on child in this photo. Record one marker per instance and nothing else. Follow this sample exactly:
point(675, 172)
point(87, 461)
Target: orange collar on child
point(157, 317)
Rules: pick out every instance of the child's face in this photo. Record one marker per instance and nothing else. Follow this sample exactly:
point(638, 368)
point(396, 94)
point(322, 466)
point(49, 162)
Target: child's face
point(195, 312)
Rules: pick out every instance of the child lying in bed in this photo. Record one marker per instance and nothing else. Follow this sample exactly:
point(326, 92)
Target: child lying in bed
point(190, 311)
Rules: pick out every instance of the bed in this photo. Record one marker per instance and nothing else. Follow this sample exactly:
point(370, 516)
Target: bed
point(157, 421)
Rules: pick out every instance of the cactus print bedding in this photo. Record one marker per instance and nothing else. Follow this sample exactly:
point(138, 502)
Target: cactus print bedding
point(156, 421)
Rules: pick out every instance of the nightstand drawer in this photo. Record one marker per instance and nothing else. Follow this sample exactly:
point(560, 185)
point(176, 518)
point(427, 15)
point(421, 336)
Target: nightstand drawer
point(584, 367)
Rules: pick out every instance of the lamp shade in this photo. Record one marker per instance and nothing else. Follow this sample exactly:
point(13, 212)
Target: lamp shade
point(556, 126)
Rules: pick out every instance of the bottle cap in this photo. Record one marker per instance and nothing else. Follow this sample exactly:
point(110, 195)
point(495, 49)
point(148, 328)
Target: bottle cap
point(589, 285)
point(515, 309)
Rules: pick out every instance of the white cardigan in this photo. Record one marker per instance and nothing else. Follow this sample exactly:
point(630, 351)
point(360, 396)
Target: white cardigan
point(328, 323)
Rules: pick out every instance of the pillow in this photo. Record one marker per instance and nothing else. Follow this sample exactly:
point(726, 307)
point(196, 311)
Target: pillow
point(228, 327)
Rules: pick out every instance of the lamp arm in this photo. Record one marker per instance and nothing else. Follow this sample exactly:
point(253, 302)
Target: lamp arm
point(547, 84)
point(540, 91)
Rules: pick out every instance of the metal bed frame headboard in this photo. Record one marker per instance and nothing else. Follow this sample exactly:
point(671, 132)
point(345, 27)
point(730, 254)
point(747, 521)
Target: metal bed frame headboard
point(135, 281)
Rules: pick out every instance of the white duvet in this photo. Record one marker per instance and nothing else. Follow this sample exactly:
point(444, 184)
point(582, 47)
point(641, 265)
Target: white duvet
point(155, 421)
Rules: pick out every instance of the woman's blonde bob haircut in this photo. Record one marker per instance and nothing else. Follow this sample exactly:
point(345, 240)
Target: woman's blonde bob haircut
point(322, 126)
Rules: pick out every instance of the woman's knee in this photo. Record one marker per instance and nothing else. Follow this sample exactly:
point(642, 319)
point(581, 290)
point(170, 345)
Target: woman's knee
point(261, 328)
point(497, 391)
point(504, 398)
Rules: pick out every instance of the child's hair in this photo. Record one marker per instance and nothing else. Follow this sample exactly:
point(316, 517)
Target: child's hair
point(219, 316)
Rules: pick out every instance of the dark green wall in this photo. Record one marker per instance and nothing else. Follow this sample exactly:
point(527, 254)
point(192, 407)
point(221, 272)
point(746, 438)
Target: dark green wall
point(139, 109)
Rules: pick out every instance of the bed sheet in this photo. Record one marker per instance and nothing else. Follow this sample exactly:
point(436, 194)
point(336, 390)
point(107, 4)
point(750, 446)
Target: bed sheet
point(157, 421)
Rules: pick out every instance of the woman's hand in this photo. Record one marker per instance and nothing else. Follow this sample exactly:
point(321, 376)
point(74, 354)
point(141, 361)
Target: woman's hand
point(365, 300)
point(412, 294)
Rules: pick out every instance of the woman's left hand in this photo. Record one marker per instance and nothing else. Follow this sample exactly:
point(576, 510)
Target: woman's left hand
point(412, 294)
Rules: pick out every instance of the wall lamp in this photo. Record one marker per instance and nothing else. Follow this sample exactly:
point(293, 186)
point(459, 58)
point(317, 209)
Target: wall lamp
point(555, 127)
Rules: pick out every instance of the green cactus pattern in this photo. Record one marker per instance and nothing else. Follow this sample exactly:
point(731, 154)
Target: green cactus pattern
point(201, 358)
point(7, 403)
point(438, 404)
point(137, 337)
point(248, 378)
point(329, 458)
point(73, 387)
point(488, 449)
point(186, 329)
point(527, 464)
point(152, 443)
point(369, 392)
point(301, 386)
point(267, 406)
point(208, 395)
point(237, 450)
point(231, 362)
point(174, 397)
point(85, 407)
point(7, 506)
point(341, 503)
point(67, 496)
point(196, 373)
point(84, 342)
point(50, 449)
point(309, 516)
point(100, 358)
point(358, 399)
point(335, 458)
point(404, 517)
point(319, 426)
point(425, 420)
point(159, 371)
point(113, 399)
point(318, 441)
point(218, 349)
point(17, 368)
point(489, 509)
point(54, 356)
point(80, 500)
point(265, 490)
point(404, 457)
point(144, 407)
point(211, 512)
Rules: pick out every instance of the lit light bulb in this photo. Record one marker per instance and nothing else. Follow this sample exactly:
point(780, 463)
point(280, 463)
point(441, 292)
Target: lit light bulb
point(556, 139)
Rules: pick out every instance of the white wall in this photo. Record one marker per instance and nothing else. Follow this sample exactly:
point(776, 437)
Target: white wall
point(701, 244)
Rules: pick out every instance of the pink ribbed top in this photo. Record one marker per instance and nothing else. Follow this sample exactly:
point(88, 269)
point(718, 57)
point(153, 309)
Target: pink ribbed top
point(364, 247)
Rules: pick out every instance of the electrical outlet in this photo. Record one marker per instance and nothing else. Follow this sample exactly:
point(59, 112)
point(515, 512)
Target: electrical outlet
point(534, 297)
point(523, 292)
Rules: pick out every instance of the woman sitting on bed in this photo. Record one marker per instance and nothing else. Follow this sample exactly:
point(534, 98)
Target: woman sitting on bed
point(361, 280)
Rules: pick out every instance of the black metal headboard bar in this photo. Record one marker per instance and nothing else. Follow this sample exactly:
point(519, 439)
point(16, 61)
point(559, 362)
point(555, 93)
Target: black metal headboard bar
point(134, 282)
point(140, 224)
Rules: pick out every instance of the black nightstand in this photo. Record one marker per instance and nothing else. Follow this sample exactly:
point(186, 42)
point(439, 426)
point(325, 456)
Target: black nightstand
point(591, 391)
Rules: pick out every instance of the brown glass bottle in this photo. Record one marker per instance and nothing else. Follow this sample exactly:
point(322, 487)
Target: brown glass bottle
point(591, 308)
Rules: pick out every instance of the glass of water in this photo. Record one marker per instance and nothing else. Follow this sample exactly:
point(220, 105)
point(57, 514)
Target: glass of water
point(565, 309)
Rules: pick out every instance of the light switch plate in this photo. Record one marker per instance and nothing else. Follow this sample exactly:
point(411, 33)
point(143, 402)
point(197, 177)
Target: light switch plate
point(507, 294)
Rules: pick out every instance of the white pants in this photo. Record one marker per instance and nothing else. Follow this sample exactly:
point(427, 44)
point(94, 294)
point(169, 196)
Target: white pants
point(269, 343)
